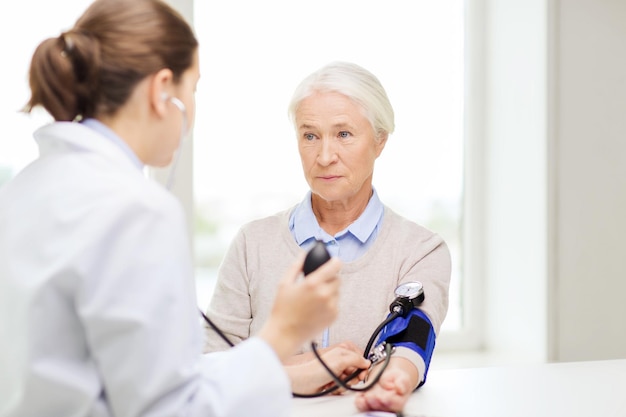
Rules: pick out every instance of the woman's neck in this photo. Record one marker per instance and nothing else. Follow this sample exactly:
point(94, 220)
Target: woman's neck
point(335, 216)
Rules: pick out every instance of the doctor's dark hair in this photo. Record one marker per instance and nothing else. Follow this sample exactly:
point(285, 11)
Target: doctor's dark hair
point(354, 82)
point(93, 68)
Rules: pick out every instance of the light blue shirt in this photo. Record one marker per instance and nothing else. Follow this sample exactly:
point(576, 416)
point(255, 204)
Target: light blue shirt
point(350, 243)
point(113, 137)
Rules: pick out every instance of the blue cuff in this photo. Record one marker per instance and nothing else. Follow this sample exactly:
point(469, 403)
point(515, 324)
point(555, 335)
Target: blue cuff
point(415, 332)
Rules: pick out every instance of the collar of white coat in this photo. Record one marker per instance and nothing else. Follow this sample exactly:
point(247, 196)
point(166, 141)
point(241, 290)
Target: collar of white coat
point(68, 136)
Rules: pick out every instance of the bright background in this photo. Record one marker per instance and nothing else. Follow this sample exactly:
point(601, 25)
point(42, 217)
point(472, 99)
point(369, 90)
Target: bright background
point(245, 158)
point(253, 55)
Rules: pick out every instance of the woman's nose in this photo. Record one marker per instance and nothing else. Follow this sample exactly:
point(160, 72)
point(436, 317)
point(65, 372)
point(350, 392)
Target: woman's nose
point(327, 153)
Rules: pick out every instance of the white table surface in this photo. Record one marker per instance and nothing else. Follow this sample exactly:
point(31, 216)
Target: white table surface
point(572, 389)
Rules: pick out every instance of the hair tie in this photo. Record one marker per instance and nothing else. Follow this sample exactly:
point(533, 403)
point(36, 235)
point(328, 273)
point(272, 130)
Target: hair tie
point(69, 45)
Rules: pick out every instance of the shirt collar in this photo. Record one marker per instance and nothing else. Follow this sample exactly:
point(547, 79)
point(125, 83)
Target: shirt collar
point(105, 131)
point(304, 225)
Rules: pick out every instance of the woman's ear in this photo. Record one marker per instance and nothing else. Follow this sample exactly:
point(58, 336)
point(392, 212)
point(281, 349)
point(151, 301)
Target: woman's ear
point(380, 143)
point(160, 85)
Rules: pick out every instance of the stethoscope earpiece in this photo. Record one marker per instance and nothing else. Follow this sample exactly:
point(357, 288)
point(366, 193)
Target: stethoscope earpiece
point(175, 101)
point(181, 106)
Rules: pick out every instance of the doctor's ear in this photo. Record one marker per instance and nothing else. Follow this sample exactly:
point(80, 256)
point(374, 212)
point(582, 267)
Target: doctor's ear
point(158, 86)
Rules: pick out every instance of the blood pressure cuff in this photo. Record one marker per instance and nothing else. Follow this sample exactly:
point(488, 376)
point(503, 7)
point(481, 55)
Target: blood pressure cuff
point(415, 332)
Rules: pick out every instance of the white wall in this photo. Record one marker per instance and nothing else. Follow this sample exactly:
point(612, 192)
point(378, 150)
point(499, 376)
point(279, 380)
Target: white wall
point(588, 181)
point(554, 131)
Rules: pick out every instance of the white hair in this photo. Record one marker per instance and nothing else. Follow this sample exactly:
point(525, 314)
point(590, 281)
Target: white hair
point(354, 82)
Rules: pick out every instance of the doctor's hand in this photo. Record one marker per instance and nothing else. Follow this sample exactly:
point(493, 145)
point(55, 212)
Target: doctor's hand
point(308, 376)
point(303, 307)
point(392, 390)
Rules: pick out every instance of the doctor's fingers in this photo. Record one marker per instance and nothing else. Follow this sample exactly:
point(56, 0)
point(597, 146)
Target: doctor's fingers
point(323, 283)
point(338, 357)
point(344, 345)
point(345, 361)
point(323, 298)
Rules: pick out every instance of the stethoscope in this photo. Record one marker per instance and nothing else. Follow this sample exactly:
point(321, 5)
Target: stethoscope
point(409, 295)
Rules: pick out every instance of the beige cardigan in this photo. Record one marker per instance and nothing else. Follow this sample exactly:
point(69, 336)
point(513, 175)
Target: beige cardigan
point(264, 249)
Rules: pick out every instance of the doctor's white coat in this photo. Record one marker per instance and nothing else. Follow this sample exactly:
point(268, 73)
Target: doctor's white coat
point(98, 312)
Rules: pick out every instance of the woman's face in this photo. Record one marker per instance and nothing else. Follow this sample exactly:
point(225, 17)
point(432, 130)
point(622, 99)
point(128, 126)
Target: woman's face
point(337, 146)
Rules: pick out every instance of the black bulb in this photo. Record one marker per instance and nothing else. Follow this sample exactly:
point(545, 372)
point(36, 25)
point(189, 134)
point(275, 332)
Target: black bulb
point(317, 256)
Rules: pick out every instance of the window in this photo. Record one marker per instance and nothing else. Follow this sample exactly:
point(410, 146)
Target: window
point(22, 30)
point(253, 54)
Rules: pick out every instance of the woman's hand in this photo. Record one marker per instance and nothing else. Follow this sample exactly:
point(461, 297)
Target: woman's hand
point(308, 375)
point(392, 390)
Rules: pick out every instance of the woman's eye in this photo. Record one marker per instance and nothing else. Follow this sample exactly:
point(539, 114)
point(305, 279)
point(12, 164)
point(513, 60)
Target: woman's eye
point(343, 134)
point(309, 136)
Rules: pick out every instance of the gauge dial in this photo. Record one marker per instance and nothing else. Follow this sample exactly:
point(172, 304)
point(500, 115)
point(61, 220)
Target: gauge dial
point(410, 290)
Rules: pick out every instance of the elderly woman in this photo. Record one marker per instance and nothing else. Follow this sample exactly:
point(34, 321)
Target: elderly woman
point(343, 119)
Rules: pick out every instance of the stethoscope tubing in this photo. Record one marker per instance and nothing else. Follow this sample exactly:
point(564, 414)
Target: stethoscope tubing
point(339, 383)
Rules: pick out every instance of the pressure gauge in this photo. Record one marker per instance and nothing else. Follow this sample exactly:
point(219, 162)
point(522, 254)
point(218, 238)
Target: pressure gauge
point(413, 291)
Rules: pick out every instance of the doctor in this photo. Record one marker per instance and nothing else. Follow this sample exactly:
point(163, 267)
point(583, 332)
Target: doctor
point(97, 299)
